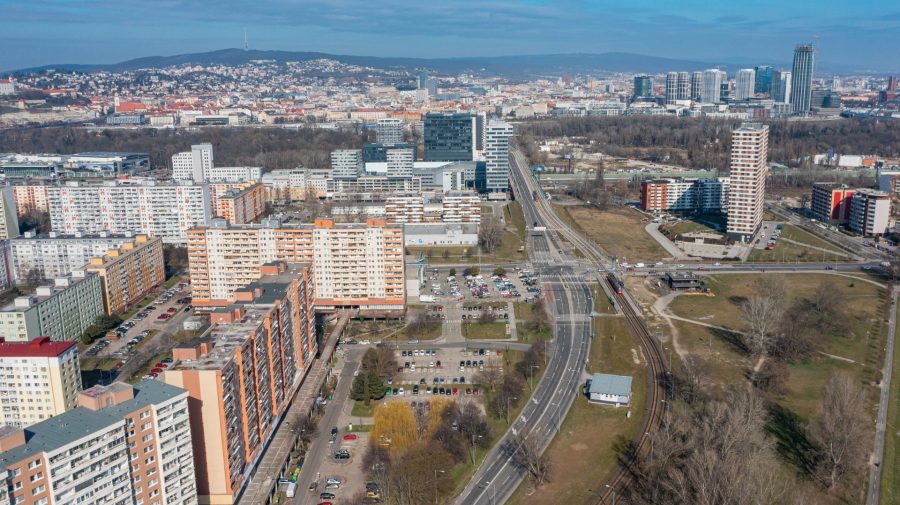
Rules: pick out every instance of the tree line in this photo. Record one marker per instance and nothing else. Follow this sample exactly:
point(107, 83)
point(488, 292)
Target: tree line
point(270, 148)
point(705, 143)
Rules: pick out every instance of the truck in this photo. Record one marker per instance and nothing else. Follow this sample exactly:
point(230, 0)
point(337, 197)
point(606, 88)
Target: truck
point(291, 490)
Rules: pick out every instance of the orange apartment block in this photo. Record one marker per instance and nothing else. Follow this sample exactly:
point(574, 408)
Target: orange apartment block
point(129, 273)
point(242, 374)
point(30, 197)
point(238, 203)
point(358, 265)
point(122, 445)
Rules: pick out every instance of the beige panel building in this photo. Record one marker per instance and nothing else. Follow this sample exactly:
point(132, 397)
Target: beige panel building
point(38, 380)
point(749, 154)
point(129, 273)
point(122, 445)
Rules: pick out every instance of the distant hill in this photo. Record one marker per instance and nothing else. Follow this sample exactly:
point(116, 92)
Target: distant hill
point(510, 66)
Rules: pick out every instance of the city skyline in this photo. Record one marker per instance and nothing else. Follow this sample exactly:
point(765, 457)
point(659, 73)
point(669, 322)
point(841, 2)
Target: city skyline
point(694, 30)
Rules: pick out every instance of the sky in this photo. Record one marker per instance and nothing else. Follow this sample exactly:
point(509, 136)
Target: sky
point(862, 34)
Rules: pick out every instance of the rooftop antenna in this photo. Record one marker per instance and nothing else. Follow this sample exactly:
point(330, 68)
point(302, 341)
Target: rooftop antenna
point(246, 44)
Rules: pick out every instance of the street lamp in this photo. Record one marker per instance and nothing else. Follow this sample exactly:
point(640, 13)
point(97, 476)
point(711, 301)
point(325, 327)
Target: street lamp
point(436, 472)
point(507, 407)
point(613, 494)
point(531, 376)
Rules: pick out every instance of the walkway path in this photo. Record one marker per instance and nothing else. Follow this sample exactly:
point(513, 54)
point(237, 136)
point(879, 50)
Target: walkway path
point(874, 493)
point(668, 245)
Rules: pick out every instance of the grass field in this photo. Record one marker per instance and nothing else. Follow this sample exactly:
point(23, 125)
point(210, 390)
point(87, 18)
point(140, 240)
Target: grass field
point(618, 232)
point(524, 316)
point(890, 476)
point(485, 331)
point(583, 453)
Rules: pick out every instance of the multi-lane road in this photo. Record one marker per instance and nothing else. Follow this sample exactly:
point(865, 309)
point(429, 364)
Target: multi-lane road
point(571, 304)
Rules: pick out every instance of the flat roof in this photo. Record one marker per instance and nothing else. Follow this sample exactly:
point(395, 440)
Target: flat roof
point(67, 428)
point(608, 384)
point(39, 347)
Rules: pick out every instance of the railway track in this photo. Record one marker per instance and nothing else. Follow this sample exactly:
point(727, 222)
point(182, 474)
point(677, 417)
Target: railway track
point(657, 370)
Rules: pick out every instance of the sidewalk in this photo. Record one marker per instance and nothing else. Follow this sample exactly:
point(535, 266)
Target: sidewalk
point(671, 248)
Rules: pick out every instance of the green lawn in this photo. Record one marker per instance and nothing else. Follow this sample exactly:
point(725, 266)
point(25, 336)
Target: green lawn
point(789, 252)
point(524, 316)
point(361, 410)
point(890, 471)
point(485, 331)
point(686, 226)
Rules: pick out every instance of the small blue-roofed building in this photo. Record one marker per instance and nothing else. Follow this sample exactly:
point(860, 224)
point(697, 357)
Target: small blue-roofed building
point(609, 389)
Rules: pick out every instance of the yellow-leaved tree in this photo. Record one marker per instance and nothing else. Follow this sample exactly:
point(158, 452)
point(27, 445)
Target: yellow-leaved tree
point(395, 427)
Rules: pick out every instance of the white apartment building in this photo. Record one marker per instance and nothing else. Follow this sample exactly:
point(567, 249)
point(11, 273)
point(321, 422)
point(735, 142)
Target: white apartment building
point(404, 208)
point(496, 155)
point(744, 82)
point(399, 163)
point(461, 207)
point(38, 380)
point(870, 212)
point(61, 311)
point(193, 165)
point(165, 210)
point(122, 445)
point(47, 256)
point(346, 164)
point(749, 152)
point(389, 131)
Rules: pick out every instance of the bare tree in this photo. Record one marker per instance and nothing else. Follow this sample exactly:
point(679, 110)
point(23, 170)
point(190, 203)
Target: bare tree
point(490, 231)
point(839, 429)
point(541, 319)
point(527, 454)
point(490, 377)
point(763, 312)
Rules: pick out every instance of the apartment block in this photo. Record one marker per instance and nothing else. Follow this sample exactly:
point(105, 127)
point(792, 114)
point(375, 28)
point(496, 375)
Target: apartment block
point(685, 195)
point(870, 212)
point(358, 265)
point(9, 218)
point(238, 203)
point(749, 152)
point(404, 208)
point(122, 445)
point(30, 198)
point(61, 311)
point(193, 165)
point(461, 207)
point(496, 155)
point(400, 163)
point(128, 273)
point(389, 131)
point(242, 374)
point(47, 256)
point(159, 209)
point(38, 380)
point(830, 202)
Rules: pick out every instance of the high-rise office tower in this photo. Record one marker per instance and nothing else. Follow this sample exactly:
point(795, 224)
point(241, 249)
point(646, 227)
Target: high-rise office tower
point(496, 155)
point(749, 151)
point(683, 91)
point(346, 164)
point(744, 83)
point(423, 79)
point(450, 136)
point(781, 86)
point(389, 131)
point(763, 79)
point(643, 87)
point(711, 86)
point(802, 77)
point(671, 88)
point(696, 85)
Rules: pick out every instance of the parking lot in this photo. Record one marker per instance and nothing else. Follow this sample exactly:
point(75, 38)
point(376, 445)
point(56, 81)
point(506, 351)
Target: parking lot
point(445, 371)
point(341, 475)
point(511, 285)
point(143, 325)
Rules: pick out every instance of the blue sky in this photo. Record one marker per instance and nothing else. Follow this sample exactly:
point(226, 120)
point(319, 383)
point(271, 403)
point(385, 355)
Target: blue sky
point(863, 33)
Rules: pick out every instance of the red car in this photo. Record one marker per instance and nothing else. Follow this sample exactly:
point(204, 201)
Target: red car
point(156, 370)
point(350, 436)
point(455, 391)
point(172, 310)
point(161, 365)
point(162, 317)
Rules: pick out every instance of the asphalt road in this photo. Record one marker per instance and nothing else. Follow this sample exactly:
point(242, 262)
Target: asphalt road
point(570, 299)
point(874, 493)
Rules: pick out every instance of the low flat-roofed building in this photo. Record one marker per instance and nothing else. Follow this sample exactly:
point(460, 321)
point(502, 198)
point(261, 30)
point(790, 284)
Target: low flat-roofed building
point(683, 280)
point(609, 389)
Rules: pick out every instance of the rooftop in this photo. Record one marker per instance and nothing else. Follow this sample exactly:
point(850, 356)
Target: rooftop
point(39, 347)
point(71, 426)
point(608, 384)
